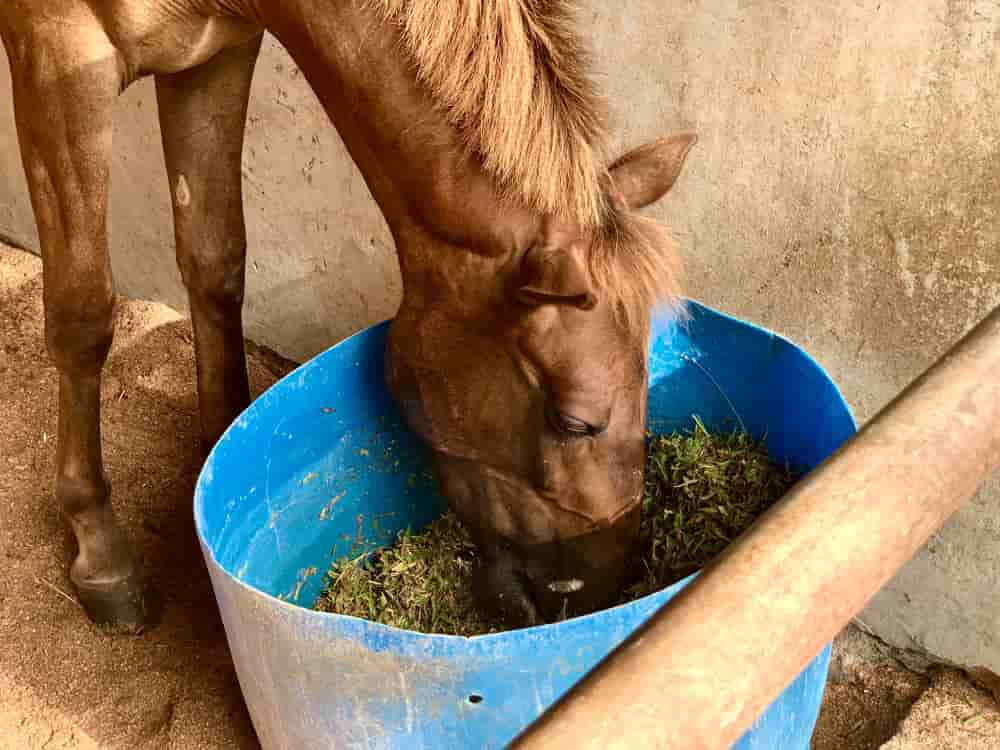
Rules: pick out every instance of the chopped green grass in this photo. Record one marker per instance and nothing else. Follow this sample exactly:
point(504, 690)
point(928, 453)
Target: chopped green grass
point(423, 582)
point(702, 491)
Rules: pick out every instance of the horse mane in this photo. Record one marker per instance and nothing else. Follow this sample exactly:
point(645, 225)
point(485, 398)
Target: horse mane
point(512, 77)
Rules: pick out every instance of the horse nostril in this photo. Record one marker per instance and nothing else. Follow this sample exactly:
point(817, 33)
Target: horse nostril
point(567, 586)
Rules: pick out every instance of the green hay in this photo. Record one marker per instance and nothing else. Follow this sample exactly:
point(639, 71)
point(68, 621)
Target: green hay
point(423, 583)
point(702, 491)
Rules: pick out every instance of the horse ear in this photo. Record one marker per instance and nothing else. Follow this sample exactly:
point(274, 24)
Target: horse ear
point(555, 277)
point(646, 174)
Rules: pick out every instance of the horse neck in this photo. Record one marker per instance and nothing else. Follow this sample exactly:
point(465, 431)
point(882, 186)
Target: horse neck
point(434, 196)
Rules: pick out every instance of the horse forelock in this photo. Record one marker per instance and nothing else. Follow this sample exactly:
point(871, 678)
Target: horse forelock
point(636, 266)
point(511, 77)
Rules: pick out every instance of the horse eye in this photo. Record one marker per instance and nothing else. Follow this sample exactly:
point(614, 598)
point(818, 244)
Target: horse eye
point(569, 425)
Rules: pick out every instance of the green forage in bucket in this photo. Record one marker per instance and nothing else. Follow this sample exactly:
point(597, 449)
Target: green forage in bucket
point(702, 490)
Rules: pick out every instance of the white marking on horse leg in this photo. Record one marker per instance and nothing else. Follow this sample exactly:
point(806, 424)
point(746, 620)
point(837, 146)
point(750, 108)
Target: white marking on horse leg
point(566, 587)
point(183, 193)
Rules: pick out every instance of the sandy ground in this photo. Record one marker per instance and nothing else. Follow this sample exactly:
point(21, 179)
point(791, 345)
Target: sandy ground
point(173, 687)
point(972, 718)
point(64, 685)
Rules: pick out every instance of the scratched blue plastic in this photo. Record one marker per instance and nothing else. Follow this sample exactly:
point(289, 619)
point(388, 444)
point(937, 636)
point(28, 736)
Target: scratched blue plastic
point(320, 466)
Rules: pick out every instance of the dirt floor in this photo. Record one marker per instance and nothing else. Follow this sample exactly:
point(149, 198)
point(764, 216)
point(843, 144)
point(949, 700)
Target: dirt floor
point(173, 687)
point(64, 685)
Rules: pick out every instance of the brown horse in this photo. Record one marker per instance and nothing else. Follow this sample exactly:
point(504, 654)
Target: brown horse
point(518, 353)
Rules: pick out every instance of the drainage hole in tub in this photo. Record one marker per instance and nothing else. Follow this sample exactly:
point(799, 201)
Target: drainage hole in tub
point(475, 698)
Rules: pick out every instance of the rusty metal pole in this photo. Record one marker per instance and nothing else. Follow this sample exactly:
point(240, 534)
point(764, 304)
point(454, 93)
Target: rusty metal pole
point(699, 672)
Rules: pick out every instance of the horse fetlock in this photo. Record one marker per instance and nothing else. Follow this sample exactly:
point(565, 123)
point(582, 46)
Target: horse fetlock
point(104, 554)
point(83, 500)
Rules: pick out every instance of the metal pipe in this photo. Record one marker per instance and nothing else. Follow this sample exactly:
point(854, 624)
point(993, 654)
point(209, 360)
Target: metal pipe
point(698, 672)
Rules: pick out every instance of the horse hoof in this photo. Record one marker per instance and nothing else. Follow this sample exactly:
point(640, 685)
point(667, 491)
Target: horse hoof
point(127, 605)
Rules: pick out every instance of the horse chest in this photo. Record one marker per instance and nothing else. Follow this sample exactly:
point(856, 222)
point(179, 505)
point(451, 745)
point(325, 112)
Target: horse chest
point(167, 36)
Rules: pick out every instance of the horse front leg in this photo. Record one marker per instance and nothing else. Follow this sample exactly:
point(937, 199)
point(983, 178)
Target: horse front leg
point(64, 88)
point(202, 118)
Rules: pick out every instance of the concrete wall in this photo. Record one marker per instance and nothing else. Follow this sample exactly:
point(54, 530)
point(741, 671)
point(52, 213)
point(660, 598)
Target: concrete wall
point(844, 192)
point(321, 262)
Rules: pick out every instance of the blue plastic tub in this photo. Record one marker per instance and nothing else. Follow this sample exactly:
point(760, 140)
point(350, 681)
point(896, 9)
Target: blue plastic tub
point(321, 465)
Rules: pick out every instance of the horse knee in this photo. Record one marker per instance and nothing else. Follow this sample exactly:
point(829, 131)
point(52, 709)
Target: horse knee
point(214, 277)
point(79, 327)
